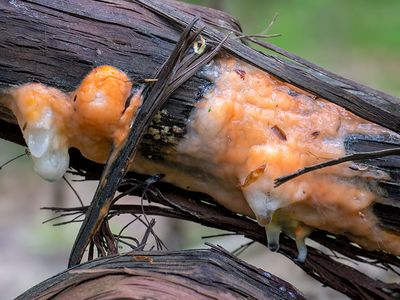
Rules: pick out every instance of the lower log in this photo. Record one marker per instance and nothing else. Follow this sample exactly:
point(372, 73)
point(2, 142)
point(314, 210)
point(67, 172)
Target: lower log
point(191, 274)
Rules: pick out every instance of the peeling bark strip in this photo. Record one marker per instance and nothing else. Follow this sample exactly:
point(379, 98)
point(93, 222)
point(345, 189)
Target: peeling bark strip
point(194, 274)
point(174, 73)
point(56, 43)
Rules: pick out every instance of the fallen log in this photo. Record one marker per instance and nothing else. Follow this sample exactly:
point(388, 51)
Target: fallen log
point(195, 274)
point(43, 41)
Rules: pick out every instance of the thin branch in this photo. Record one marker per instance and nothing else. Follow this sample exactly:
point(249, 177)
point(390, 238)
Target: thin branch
point(11, 160)
point(352, 157)
point(74, 190)
point(59, 216)
point(123, 228)
point(260, 36)
point(170, 77)
point(271, 23)
point(217, 235)
point(74, 220)
point(242, 248)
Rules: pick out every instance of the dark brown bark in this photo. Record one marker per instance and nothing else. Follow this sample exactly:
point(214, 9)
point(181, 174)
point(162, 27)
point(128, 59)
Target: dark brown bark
point(195, 274)
point(57, 43)
point(179, 67)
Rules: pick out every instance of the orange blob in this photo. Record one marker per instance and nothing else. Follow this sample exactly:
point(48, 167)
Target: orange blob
point(248, 130)
point(100, 100)
point(93, 118)
point(30, 101)
point(103, 112)
point(252, 128)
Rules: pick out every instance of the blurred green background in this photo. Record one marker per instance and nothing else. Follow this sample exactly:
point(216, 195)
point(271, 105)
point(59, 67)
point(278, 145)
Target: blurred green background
point(359, 39)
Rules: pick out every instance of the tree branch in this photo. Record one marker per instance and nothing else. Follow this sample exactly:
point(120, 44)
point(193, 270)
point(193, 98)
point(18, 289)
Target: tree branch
point(57, 44)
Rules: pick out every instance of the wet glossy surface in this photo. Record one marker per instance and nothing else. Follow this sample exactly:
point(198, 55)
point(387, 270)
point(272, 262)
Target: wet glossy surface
point(248, 129)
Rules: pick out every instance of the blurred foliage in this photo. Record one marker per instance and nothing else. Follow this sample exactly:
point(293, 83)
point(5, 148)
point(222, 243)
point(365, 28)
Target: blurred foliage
point(359, 39)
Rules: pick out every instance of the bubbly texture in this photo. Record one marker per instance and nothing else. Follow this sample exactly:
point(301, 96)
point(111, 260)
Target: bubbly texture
point(248, 129)
point(251, 128)
point(41, 112)
point(94, 117)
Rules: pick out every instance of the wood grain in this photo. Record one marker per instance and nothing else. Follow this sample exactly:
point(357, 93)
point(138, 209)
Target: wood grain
point(194, 274)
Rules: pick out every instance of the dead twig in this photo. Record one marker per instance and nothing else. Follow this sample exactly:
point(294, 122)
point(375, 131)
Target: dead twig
point(173, 73)
point(352, 157)
point(12, 159)
point(318, 264)
point(73, 190)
